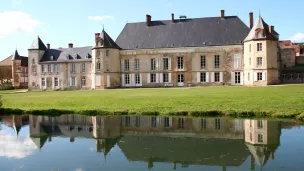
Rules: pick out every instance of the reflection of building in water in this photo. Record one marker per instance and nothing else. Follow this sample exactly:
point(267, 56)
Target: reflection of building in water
point(176, 140)
point(262, 138)
point(15, 122)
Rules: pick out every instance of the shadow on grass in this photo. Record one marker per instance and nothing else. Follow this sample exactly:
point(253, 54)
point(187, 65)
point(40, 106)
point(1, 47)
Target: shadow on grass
point(213, 113)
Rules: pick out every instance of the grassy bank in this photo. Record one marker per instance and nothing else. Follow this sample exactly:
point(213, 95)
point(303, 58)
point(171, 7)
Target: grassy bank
point(272, 101)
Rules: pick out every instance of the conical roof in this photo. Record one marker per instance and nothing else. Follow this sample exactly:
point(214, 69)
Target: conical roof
point(260, 24)
point(108, 41)
point(38, 45)
point(16, 56)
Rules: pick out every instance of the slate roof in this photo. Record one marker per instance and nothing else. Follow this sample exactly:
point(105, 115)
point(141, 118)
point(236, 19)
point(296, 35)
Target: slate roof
point(195, 32)
point(68, 54)
point(38, 45)
point(260, 24)
point(108, 41)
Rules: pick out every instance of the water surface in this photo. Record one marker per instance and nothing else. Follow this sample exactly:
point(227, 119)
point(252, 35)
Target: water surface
point(133, 143)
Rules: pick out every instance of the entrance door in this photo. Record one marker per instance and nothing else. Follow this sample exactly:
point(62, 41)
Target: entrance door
point(180, 80)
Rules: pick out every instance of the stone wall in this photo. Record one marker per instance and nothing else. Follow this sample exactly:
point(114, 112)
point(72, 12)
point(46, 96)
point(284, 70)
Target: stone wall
point(288, 57)
point(300, 60)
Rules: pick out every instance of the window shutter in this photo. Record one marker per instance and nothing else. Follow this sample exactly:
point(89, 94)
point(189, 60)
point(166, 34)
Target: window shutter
point(161, 63)
point(264, 76)
point(212, 77)
point(156, 65)
point(221, 77)
point(198, 77)
point(133, 79)
point(242, 78)
point(207, 77)
point(255, 76)
point(108, 81)
point(157, 77)
point(121, 65)
point(97, 80)
point(232, 78)
point(169, 79)
point(170, 122)
point(76, 81)
point(148, 78)
point(169, 64)
point(123, 79)
point(140, 79)
point(70, 81)
point(131, 65)
point(161, 79)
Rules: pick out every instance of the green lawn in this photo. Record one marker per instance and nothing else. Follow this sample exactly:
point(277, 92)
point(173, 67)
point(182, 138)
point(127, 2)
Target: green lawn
point(277, 100)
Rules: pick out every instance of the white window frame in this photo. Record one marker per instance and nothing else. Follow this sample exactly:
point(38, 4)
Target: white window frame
point(180, 63)
point(260, 124)
point(237, 61)
point(204, 124)
point(98, 66)
point(73, 68)
point(259, 61)
point(203, 62)
point(107, 52)
point(259, 76)
point(217, 123)
point(237, 77)
point(83, 67)
point(126, 65)
point(137, 80)
point(217, 61)
point(49, 68)
point(166, 78)
point(83, 82)
point(136, 64)
point(217, 75)
point(165, 64)
point(56, 81)
point(56, 68)
point(127, 79)
point(152, 77)
point(43, 83)
point(73, 81)
point(203, 77)
point(180, 123)
point(259, 47)
point(153, 64)
point(260, 138)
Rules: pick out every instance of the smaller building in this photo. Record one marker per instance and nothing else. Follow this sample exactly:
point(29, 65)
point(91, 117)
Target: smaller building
point(14, 69)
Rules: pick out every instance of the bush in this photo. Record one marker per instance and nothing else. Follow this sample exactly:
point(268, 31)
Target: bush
point(1, 101)
point(6, 86)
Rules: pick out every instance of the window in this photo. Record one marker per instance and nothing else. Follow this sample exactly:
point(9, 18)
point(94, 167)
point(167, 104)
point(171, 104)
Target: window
point(284, 76)
point(73, 68)
point(165, 77)
point(237, 61)
point(83, 81)
point(153, 122)
point(127, 78)
point(203, 62)
point(153, 64)
point(249, 61)
point(43, 82)
point(259, 46)
point(127, 65)
point(259, 61)
point(237, 77)
point(107, 52)
point(165, 63)
point(260, 76)
point(56, 82)
point(180, 62)
point(137, 121)
point(49, 68)
point(249, 47)
point(56, 67)
point(204, 123)
point(137, 64)
point(73, 81)
point(248, 76)
point(180, 123)
point(259, 35)
point(291, 76)
point(137, 79)
point(42, 68)
point(167, 124)
point(33, 68)
point(260, 124)
point(153, 78)
point(217, 61)
point(98, 66)
point(98, 53)
point(217, 123)
point(216, 77)
point(203, 77)
point(260, 138)
point(33, 61)
point(180, 78)
point(127, 121)
point(83, 67)
point(107, 65)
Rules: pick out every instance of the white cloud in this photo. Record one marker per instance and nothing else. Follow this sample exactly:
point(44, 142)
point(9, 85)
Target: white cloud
point(15, 147)
point(168, 4)
point(100, 18)
point(17, 22)
point(297, 37)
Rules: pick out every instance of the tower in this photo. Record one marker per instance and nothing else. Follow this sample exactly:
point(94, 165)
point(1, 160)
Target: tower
point(16, 69)
point(261, 55)
point(106, 62)
point(35, 53)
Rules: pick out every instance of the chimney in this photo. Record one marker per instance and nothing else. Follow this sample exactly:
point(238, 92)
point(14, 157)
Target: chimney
point(251, 19)
point(172, 18)
point(48, 46)
point(148, 19)
point(70, 45)
point(271, 29)
point(222, 14)
point(97, 35)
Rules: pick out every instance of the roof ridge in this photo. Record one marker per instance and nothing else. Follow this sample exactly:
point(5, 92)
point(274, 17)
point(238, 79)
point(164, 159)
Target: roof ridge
point(6, 58)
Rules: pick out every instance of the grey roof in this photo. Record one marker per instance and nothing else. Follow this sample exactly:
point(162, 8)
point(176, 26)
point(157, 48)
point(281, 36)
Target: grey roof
point(16, 56)
point(260, 24)
point(68, 54)
point(108, 41)
point(195, 32)
point(38, 45)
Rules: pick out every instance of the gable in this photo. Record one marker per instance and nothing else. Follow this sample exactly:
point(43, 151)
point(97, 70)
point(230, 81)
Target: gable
point(7, 61)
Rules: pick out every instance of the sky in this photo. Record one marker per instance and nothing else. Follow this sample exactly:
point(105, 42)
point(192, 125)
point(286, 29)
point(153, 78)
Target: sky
point(60, 22)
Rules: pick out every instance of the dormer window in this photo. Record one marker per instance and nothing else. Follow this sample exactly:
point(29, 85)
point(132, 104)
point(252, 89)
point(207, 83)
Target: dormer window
point(107, 52)
point(51, 58)
point(259, 35)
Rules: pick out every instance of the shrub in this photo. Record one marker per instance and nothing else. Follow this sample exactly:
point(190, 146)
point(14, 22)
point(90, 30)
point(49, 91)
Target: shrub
point(1, 101)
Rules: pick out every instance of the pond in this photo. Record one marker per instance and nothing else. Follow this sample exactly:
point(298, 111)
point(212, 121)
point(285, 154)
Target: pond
point(139, 143)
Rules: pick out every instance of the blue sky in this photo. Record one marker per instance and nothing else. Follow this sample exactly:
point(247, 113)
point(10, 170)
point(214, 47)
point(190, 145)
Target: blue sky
point(60, 22)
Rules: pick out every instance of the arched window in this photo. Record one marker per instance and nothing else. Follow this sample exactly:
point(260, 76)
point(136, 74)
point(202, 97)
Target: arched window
point(98, 66)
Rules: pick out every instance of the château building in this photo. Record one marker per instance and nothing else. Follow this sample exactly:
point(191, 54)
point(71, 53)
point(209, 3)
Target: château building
point(177, 52)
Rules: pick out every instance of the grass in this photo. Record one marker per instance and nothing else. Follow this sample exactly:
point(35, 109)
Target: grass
point(271, 101)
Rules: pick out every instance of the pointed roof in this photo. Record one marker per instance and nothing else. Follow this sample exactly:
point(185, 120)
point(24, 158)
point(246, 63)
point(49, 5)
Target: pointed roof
point(38, 45)
point(108, 41)
point(261, 24)
point(16, 55)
